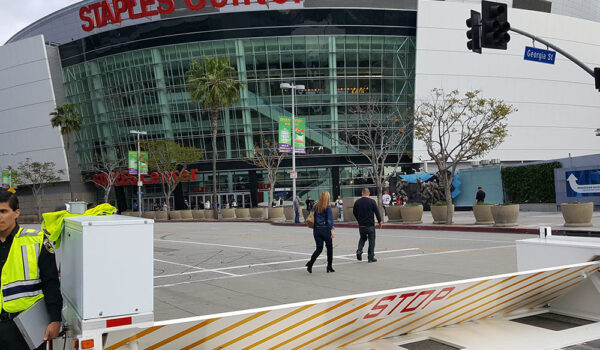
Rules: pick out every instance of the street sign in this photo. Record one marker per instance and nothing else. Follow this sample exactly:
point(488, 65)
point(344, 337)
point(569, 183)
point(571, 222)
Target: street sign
point(140, 183)
point(293, 174)
point(539, 55)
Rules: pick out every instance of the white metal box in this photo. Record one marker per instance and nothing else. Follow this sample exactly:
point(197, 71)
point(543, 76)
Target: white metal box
point(107, 265)
point(539, 253)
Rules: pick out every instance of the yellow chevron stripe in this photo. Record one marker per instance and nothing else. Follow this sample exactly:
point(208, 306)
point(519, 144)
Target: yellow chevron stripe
point(349, 333)
point(327, 333)
point(541, 292)
point(225, 330)
point(515, 297)
point(181, 334)
point(133, 337)
point(466, 289)
point(323, 324)
point(299, 323)
point(377, 329)
point(243, 336)
point(442, 308)
point(487, 296)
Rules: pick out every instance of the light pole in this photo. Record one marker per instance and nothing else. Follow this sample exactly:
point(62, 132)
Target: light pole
point(295, 174)
point(139, 181)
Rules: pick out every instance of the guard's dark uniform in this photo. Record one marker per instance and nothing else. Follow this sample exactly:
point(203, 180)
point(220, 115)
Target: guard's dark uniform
point(10, 337)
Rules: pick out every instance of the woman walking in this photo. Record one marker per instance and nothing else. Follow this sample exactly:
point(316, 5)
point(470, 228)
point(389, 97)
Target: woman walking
point(323, 231)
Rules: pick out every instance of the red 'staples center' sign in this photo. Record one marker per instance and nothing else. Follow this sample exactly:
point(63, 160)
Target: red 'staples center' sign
point(99, 14)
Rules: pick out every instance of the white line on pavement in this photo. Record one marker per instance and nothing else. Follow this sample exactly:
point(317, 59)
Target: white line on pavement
point(344, 263)
point(231, 246)
point(200, 270)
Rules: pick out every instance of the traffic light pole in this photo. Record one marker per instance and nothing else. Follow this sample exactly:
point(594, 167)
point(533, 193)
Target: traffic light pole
point(558, 49)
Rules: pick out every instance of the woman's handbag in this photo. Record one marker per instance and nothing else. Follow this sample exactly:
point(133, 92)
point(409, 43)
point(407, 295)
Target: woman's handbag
point(310, 220)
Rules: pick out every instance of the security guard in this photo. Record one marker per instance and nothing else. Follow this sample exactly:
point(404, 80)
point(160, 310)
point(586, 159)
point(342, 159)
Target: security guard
point(28, 274)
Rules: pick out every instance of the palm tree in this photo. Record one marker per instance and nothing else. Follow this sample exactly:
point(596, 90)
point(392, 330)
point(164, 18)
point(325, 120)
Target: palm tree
point(68, 120)
point(213, 84)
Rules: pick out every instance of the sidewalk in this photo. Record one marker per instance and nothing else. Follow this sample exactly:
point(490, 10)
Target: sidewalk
point(529, 222)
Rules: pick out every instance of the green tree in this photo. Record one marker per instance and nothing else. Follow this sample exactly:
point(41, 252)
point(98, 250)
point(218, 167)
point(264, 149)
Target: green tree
point(212, 83)
point(38, 175)
point(456, 128)
point(170, 160)
point(66, 118)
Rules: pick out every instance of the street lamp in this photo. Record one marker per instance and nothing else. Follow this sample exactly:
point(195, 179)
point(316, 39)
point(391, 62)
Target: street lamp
point(139, 182)
point(295, 174)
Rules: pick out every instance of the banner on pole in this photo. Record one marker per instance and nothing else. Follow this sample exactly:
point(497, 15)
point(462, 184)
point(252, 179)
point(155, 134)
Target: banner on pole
point(285, 135)
point(133, 163)
point(5, 179)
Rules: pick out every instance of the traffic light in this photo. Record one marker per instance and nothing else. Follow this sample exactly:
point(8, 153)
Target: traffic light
point(494, 25)
point(597, 77)
point(474, 34)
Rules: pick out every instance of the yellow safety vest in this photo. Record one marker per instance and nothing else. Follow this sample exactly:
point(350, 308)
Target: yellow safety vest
point(21, 283)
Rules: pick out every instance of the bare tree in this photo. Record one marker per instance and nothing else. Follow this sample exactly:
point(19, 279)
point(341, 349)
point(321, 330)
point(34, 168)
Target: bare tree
point(170, 160)
point(267, 156)
point(106, 169)
point(457, 128)
point(378, 135)
point(38, 175)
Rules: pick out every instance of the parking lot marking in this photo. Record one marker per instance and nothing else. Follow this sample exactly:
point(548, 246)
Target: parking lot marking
point(337, 264)
point(193, 267)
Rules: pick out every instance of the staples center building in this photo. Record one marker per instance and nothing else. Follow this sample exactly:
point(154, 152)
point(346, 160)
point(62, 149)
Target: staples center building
point(123, 63)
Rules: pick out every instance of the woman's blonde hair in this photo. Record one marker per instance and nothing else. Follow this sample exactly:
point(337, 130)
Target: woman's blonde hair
point(323, 201)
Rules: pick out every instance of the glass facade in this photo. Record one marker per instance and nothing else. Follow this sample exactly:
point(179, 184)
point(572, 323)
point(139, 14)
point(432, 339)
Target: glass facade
point(146, 90)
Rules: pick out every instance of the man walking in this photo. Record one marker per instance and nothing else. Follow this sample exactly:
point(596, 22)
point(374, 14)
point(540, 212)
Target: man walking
point(363, 211)
point(480, 196)
point(296, 209)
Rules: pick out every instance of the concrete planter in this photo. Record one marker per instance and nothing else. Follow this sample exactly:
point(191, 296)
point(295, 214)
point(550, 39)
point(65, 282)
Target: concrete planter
point(149, 215)
point(336, 212)
point(393, 213)
point(577, 214)
point(412, 214)
point(289, 213)
point(242, 213)
point(304, 213)
point(175, 215)
point(161, 215)
point(198, 214)
point(228, 213)
point(505, 215)
point(186, 215)
point(483, 214)
point(258, 213)
point(208, 214)
point(438, 212)
point(276, 213)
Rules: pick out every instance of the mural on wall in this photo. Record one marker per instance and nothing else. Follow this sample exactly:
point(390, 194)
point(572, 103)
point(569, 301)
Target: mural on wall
point(583, 183)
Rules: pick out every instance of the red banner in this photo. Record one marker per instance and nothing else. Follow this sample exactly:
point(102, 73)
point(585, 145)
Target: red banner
point(99, 14)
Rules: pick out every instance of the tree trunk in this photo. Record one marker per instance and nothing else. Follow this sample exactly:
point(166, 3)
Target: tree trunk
point(214, 115)
point(447, 183)
point(106, 194)
point(271, 193)
point(68, 137)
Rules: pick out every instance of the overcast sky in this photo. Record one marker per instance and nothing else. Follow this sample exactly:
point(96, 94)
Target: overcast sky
point(17, 14)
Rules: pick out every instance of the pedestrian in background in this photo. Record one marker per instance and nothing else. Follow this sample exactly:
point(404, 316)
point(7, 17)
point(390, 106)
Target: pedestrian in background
point(363, 211)
point(340, 205)
point(480, 196)
point(387, 199)
point(296, 204)
point(309, 203)
point(323, 231)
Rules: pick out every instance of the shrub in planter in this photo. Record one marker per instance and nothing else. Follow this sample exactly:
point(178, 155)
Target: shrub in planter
point(483, 213)
point(412, 213)
point(577, 214)
point(505, 214)
point(439, 211)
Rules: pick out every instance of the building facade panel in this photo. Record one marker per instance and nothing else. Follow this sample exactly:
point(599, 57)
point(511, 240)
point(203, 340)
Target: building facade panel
point(556, 103)
point(26, 100)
